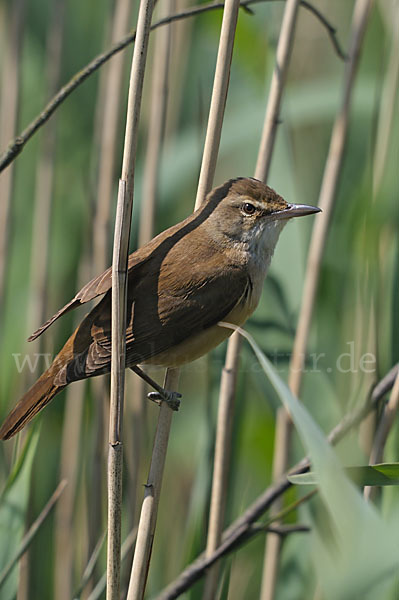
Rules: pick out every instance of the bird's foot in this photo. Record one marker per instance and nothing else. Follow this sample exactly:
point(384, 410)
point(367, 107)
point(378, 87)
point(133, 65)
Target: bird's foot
point(172, 399)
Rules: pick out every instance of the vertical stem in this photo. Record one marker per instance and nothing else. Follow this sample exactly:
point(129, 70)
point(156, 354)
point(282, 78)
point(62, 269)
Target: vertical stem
point(149, 509)
point(208, 166)
point(221, 461)
point(150, 504)
point(113, 75)
point(218, 101)
point(316, 249)
point(159, 99)
point(9, 103)
point(106, 132)
point(285, 41)
point(119, 290)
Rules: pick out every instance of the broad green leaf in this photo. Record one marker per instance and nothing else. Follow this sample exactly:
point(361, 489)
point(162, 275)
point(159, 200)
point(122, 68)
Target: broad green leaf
point(364, 550)
point(381, 474)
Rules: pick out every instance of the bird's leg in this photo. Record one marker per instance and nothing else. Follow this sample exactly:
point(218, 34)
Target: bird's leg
point(172, 399)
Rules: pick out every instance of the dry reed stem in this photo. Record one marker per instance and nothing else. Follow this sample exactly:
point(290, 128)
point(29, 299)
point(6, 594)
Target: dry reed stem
point(208, 167)
point(221, 460)
point(316, 249)
point(179, 58)
point(283, 53)
point(70, 459)
point(109, 104)
point(37, 306)
point(89, 569)
point(32, 531)
point(239, 528)
point(262, 168)
point(9, 103)
point(113, 79)
point(16, 145)
point(149, 509)
point(327, 196)
point(119, 291)
point(150, 504)
point(69, 470)
point(227, 393)
point(156, 127)
point(218, 100)
point(126, 547)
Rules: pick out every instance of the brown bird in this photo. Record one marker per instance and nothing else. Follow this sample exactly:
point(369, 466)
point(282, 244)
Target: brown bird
point(206, 269)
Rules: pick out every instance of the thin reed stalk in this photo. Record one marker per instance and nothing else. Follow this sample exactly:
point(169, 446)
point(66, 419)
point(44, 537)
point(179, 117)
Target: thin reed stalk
point(221, 461)
point(228, 390)
point(108, 111)
point(9, 103)
point(70, 459)
point(208, 167)
point(156, 127)
point(316, 249)
point(149, 508)
point(284, 47)
point(64, 516)
point(218, 100)
point(181, 41)
point(119, 290)
point(37, 306)
point(126, 548)
point(32, 531)
point(150, 504)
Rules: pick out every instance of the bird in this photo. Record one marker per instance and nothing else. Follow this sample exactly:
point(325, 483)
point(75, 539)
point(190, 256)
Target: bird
point(208, 268)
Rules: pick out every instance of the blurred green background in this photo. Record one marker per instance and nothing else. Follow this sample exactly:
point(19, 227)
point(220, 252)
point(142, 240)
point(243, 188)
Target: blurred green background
point(357, 302)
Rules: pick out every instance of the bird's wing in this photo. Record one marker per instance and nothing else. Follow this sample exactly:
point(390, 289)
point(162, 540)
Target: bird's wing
point(97, 287)
point(174, 317)
point(157, 323)
point(102, 284)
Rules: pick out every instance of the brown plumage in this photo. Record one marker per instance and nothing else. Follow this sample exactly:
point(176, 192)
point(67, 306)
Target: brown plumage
point(208, 268)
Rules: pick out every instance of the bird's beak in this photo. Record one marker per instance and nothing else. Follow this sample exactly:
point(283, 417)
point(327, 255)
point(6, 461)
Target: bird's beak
point(298, 210)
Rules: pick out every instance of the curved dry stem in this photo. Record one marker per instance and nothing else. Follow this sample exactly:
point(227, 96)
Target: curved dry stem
point(238, 530)
point(16, 146)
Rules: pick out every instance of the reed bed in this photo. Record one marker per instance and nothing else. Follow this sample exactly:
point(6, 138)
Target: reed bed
point(304, 96)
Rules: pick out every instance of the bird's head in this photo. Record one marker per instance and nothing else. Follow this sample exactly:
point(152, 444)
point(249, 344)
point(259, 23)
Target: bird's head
point(250, 212)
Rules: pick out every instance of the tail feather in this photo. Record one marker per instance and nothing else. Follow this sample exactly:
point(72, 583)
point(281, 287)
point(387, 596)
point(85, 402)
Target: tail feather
point(30, 404)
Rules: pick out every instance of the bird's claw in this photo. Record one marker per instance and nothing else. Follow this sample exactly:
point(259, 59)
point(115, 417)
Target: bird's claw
point(172, 399)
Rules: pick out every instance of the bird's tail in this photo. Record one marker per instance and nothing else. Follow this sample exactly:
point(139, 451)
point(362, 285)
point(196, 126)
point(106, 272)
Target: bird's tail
point(30, 404)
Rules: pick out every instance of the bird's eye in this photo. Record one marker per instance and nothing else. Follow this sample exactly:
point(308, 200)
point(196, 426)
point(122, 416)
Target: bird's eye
point(248, 208)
